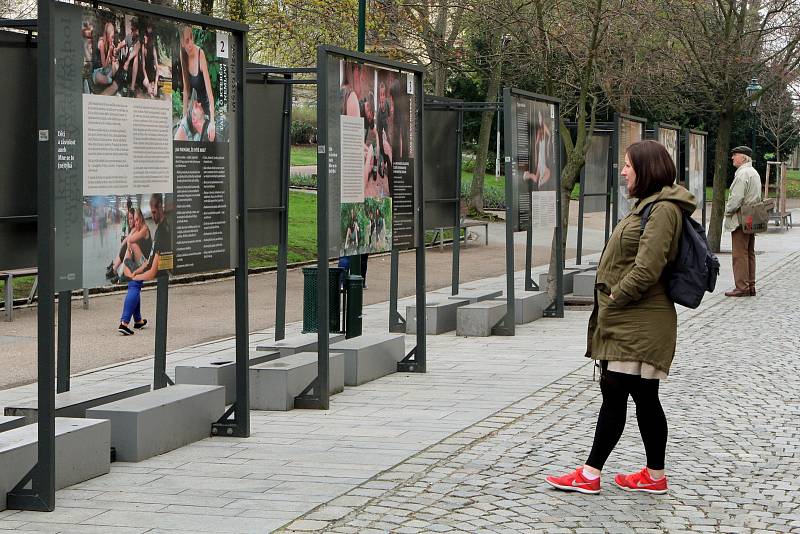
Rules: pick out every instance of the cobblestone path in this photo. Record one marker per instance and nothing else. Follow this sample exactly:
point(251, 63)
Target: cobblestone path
point(733, 458)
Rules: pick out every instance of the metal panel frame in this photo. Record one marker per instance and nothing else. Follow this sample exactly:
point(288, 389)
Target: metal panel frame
point(556, 308)
point(615, 166)
point(40, 496)
point(397, 322)
point(317, 394)
point(581, 197)
point(687, 141)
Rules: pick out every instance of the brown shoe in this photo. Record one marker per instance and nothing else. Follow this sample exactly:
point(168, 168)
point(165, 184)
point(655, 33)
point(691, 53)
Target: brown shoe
point(752, 292)
point(737, 293)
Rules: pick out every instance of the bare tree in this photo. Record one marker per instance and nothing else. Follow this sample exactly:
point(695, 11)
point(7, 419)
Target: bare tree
point(778, 119)
point(720, 46)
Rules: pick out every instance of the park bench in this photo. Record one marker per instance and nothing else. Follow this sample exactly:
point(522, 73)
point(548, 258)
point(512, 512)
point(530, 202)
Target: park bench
point(370, 356)
point(464, 223)
point(82, 449)
point(274, 385)
point(161, 420)
point(218, 370)
point(74, 403)
point(8, 278)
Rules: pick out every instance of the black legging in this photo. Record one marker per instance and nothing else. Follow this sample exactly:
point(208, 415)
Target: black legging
point(611, 422)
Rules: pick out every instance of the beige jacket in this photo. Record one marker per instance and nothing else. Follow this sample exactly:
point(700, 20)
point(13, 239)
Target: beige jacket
point(745, 189)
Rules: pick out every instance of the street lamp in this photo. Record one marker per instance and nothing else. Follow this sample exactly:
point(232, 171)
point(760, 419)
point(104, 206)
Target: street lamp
point(753, 91)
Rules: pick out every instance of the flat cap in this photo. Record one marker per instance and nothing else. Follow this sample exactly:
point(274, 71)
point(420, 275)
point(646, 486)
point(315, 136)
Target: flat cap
point(746, 150)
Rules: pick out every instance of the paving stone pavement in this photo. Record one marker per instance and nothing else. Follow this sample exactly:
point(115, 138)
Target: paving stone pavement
point(733, 456)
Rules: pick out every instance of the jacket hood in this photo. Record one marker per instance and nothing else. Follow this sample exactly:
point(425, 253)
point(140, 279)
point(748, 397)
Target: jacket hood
point(674, 193)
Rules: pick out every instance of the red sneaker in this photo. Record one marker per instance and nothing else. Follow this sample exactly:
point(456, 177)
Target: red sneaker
point(642, 481)
point(575, 481)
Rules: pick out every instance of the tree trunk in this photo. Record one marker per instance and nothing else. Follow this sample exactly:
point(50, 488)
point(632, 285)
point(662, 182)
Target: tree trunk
point(720, 176)
point(439, 80)
point(484, 137)
point(570, 174)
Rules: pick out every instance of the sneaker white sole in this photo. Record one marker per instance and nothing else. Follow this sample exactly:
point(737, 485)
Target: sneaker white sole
point(573, 488)
point(643, 490)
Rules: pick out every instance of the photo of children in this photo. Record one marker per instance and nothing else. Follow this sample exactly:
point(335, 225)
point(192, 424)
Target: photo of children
point(200, 87)
point(126, 55)
point(378, 99)
point(541, 173)
point(366, 226)
point(126, 238)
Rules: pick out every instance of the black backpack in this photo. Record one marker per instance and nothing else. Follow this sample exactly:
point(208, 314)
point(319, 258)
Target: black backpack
point(695, 268)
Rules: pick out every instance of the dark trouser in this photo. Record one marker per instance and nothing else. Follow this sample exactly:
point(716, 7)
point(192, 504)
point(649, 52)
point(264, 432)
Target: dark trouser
point(364, 258)
point(611, 422)
point(744, 260)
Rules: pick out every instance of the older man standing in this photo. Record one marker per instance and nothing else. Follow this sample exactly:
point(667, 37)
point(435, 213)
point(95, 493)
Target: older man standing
point(745, 189)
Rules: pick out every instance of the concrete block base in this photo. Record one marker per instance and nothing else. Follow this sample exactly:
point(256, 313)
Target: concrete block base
point(75, 403)
point(370, 356)
point(529, 306)
point(471, 295)
point(296, 344)
point(275, 384)
point(440, 316)
point(583, 285)
point(82, 453)
point(161, 420)
point(10, 422)
point(480, 318)
point(219, 371)
point(569, 277)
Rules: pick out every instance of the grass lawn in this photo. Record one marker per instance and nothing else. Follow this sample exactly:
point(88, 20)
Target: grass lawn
point(303, 155)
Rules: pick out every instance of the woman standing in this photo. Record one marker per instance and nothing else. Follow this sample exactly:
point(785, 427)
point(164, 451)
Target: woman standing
point(633, 327)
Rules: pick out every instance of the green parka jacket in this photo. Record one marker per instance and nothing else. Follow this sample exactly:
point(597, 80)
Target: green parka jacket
point(639, 323)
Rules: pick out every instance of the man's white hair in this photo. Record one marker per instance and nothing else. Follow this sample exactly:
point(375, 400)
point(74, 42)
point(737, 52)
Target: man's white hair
point(747, 159)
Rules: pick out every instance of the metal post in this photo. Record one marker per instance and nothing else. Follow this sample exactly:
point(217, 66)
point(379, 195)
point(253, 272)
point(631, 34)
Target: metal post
point(581, 200)
point(396, 322)
point(529, 284)
point(457, 226)
point(362, 24)
point(242, 410)
point(283, 243)
point(323, 196)
point(508, 327)
point(64, 331)
point(42, 495)
point(160, 355)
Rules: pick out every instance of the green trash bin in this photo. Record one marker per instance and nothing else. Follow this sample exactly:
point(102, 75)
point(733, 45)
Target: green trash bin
point(310, 306)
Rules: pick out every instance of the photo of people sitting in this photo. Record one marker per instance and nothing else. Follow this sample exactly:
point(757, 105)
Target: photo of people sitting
point(125, 56)
point(379, 98)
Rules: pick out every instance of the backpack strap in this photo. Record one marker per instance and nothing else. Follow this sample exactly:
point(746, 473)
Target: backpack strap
point(645, 217)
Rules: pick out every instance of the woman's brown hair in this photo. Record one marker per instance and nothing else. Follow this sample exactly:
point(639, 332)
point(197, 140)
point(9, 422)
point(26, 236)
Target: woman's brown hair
point(653, 166)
